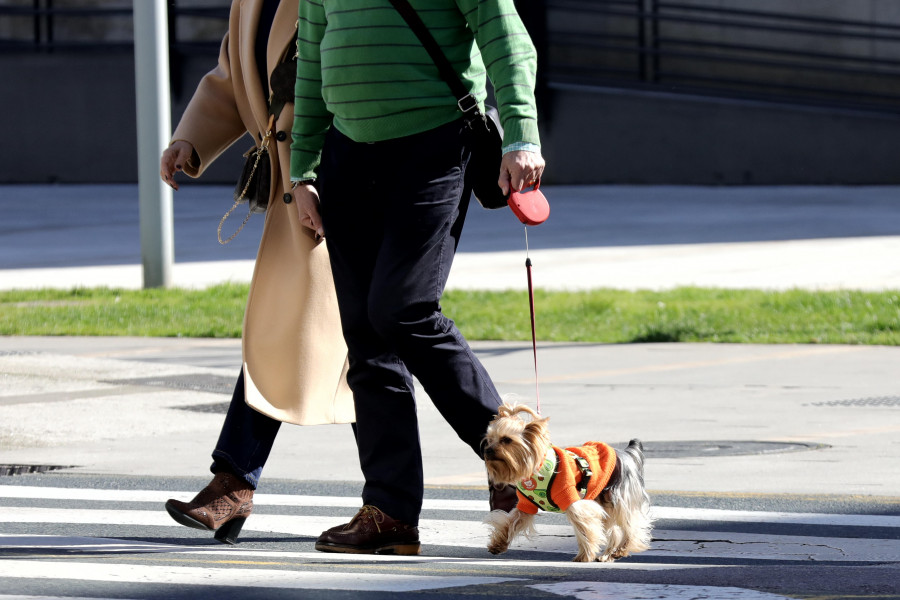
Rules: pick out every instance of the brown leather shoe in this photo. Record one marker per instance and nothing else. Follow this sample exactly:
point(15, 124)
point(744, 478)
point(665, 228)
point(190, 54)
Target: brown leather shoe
point(222, 506)
point(371, 531)
point(503, 497)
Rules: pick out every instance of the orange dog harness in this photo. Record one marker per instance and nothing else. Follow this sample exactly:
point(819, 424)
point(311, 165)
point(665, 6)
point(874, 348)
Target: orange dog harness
point(567, 475)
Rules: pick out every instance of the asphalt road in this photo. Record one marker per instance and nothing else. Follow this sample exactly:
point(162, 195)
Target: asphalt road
point(88, 536)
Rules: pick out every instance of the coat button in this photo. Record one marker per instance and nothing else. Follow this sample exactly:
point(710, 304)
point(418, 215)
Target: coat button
point(281, 136)
point(288, 198)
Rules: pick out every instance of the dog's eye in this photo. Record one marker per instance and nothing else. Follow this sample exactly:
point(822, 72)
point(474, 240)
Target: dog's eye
point(505, 440)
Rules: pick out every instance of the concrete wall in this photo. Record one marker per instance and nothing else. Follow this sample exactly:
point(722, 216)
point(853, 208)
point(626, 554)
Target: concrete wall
point(72, 119)
point(601, 135)
point(826, 53)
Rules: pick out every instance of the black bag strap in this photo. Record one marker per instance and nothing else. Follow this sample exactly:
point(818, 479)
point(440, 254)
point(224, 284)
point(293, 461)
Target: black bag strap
point(466, 101)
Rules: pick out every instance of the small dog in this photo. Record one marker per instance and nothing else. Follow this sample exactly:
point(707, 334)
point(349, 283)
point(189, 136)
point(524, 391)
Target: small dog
point(601, 490)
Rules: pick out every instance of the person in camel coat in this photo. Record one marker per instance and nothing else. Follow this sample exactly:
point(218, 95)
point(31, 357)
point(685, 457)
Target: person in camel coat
point(294, 356)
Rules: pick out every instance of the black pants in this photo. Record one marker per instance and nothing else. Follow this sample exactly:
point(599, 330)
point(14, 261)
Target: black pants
point(245, 440)
point(393, 212)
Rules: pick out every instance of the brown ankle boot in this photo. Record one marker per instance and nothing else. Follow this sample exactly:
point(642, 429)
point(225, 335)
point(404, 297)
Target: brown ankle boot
point(222, 506)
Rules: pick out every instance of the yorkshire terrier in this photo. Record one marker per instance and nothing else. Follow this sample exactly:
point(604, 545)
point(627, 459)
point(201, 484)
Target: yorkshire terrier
point(600, 489)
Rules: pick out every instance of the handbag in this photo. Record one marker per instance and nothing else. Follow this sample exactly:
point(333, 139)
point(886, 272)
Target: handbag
point(255, 183)
point(487, 133)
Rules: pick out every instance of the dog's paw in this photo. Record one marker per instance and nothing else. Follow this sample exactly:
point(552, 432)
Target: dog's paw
point(606, 558)
point(497, 548)
point(584, 557)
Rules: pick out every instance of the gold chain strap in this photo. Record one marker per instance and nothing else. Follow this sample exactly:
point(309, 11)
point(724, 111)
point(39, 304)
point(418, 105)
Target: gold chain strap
point(264, 145)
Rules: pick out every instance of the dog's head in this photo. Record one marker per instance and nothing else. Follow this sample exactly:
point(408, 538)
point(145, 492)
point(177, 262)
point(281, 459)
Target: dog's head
point(514, 444)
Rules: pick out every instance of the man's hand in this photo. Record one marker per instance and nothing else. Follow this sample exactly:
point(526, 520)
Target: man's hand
point(173, 159)
point(306, 198)
point(520, 169)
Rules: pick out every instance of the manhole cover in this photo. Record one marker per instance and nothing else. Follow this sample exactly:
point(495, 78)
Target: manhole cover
point(7, 470)
point(216, 384)
point(689, 449)
point(217, 407)
point(888, 401)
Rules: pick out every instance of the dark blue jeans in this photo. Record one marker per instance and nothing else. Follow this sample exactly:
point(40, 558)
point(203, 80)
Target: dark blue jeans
point(246, 439)
point(393, 213)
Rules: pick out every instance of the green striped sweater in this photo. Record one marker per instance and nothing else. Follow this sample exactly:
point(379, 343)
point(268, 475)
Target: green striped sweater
point(363, 70)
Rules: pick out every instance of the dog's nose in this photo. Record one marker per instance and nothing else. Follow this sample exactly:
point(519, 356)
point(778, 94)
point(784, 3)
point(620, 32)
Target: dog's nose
point(489, 451)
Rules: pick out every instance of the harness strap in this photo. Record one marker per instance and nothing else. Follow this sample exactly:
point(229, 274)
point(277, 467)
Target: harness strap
point(586, 474)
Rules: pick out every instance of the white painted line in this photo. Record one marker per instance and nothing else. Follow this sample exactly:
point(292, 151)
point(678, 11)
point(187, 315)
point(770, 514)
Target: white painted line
point(550, 538)
point(85, 544)
point(594, 590)
point(56, 493)
point(660, 512)
point(748, 516)
point(256, 578)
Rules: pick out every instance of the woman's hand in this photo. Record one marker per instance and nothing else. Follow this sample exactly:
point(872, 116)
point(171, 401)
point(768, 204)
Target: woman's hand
point(173, 159)
point(520, 169)
point(306, 198)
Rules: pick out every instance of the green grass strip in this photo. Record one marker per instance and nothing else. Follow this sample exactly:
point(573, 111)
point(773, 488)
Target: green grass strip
point(605, 316)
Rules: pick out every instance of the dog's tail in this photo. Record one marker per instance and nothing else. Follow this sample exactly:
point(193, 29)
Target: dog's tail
point(635, 451)
point(633, 459)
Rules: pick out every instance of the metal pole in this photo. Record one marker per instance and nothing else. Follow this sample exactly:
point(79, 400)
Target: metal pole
point(151, 69)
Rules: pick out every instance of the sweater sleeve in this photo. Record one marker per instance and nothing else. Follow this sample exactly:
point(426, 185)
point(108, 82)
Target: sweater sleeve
point(511, 62)
point(311, 117)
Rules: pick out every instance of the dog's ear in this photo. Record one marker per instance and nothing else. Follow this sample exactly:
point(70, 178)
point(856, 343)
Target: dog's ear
point(536, 433)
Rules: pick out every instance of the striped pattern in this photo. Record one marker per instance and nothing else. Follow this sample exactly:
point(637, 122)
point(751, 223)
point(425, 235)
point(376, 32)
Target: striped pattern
point(96, 541)
point(361, 64)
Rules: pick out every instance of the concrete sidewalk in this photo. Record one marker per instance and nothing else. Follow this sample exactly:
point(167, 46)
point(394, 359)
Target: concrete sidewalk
point(714, 418)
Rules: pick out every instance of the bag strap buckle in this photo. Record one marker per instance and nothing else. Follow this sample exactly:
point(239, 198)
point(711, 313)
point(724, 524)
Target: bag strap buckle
point(467, 103)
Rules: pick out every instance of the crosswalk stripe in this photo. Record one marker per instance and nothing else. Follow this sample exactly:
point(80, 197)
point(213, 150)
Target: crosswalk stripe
point(550, 538)
point(747, 516)
point(659, 512)
point(52, 493)
point(252, 577)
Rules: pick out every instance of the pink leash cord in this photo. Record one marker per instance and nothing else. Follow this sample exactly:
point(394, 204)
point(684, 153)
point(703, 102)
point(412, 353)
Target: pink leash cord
point(537, 390)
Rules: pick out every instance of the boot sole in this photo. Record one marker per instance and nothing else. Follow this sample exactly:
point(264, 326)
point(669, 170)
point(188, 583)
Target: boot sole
point(227, 533)
point(395, 549)
point(185, 520)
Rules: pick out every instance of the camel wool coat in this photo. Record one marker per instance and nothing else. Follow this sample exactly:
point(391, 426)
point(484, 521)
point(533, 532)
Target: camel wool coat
point(294, 356)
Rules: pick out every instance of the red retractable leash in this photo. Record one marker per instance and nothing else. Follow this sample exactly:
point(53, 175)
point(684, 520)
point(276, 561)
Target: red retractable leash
point(531, 208)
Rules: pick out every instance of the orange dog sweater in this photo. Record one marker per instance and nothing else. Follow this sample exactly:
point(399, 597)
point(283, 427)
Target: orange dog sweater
point(554, 487)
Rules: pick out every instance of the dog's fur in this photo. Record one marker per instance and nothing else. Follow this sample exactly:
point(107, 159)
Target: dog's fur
point(616, 524)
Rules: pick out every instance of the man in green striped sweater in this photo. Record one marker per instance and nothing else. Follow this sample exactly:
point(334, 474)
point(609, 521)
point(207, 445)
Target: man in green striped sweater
point(379, 159)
